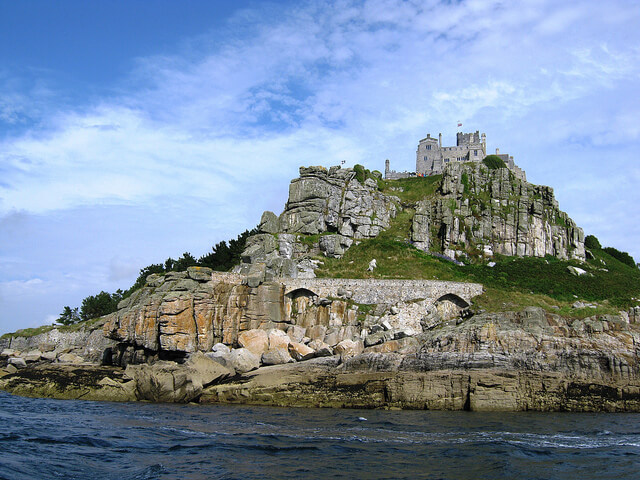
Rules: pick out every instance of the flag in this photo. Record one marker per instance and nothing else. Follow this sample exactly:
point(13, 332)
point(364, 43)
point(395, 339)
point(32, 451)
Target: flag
point(459, 124)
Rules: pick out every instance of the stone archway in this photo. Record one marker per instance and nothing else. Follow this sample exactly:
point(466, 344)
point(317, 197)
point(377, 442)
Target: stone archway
point(450, 305)
point(298, 303)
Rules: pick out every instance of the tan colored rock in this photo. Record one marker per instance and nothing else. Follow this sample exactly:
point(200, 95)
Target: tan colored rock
point(321, 349)
point(278, 339)
point(206, 368)
point(255, 340)
point(349, 348)
point(70, 358)
point(300, 352)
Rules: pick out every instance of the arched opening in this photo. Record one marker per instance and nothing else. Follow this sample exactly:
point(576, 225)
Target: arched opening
point(450, 305)
point(297, 303)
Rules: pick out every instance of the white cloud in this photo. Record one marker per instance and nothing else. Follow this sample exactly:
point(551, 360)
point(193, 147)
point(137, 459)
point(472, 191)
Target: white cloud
point(215, 133)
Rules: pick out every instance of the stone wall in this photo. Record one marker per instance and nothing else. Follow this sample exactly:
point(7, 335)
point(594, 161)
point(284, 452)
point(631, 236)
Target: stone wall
point(373, 291)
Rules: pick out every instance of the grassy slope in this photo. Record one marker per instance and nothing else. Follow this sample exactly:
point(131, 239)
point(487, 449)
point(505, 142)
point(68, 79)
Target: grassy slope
point(90, 324)
point(513, 283)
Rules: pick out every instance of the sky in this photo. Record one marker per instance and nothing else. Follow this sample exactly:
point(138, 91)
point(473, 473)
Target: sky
point(133, 131)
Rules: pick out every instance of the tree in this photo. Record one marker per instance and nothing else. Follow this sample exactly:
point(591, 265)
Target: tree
point(69, 316)
point(592, 242)
point(187, 260)
point(624, 257)
point(95, 306)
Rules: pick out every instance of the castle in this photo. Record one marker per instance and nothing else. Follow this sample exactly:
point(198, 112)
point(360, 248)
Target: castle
point(431, 156)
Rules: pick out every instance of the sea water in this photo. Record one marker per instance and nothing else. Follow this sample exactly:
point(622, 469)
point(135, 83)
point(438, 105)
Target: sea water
point(57, 439)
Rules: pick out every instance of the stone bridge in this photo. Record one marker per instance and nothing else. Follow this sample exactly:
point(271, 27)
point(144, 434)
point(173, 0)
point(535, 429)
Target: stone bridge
point(373, 291)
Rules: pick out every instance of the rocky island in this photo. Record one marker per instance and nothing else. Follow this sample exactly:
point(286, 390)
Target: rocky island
point(466, 289)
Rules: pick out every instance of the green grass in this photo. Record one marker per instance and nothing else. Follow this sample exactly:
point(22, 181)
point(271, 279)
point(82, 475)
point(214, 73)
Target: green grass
point(512, 283)
point(32, 332)
point(413, 189)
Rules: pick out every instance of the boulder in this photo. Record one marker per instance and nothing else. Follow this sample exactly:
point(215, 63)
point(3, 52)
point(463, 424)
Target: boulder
point(199, 274)
point(321, 349)
point(256, 340)
point(334, 245)
point(276, 356)
point(269, 223)
point(70, 358)
point(49, 356)
point(17, 362)
point(296, 333)
point(576, 271)
point(300, 351)
point(220, 349)
point(10, 368)
point(166, 381)
point(244, 360)
point(349, 348)
point(32, 356)
point(278, 339)
point(206, 368)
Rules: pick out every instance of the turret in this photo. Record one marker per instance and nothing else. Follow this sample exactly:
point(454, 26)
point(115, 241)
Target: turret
point(439, 140)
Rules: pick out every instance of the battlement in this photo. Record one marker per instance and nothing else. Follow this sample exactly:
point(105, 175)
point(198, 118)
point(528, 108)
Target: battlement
point(431, 156)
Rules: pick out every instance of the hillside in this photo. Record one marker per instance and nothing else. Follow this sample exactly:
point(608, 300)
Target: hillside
point(482, 296)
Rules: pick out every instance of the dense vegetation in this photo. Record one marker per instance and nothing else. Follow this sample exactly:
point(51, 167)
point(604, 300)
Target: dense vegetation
point(223, 257)
point(493, 162)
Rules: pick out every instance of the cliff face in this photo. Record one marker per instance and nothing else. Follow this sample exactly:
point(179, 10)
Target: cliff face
point(484, 211)
point(476, 212)
point(329, 204)
point(510, 361)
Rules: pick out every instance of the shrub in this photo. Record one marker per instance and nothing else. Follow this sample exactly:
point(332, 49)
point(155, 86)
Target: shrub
point(361, 175)
point(592, 242)
point(624, 257)
point(494, 162)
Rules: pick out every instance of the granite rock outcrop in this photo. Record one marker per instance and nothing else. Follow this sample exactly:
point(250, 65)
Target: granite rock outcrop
point(327, 210)
point(480, 211)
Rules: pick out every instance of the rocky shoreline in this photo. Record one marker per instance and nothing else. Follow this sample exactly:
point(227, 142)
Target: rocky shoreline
point(512, 361)
point(270, 333)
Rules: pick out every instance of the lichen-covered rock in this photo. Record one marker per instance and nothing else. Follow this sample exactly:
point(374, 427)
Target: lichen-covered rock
point(320, 201)
point(255, 340)
point(494, 212)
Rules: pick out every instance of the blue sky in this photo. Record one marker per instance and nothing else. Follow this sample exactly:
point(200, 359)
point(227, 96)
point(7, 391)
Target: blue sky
point(131, 131)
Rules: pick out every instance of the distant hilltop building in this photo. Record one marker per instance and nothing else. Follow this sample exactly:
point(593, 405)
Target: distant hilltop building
point(431, 156)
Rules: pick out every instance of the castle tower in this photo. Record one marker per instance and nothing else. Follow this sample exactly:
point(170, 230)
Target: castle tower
point(386, 168)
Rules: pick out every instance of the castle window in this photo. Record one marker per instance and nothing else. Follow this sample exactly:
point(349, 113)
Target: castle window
point(427, 147)
point(425, 159)
point(475, 152)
